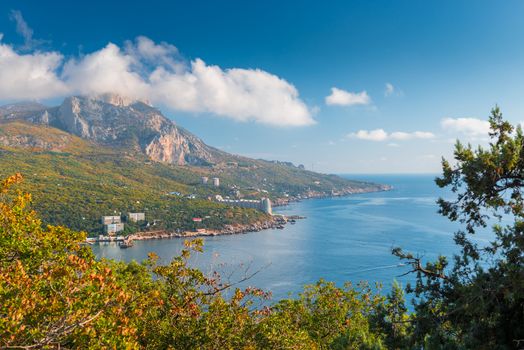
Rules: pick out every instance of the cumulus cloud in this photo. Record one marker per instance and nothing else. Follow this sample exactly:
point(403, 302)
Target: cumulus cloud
point(382, 135)
point(373, 135)
point(146, 51)
point(108, 70)
point(400, 135)
point(242, 94)
point(341, 97)
point(145, 70)
point(471, 127)
point(29, 76)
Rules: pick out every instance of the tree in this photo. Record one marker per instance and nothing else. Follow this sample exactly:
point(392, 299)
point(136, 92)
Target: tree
point(55, 294)
point(393, 319)
point(52, 290)
point(478, 301)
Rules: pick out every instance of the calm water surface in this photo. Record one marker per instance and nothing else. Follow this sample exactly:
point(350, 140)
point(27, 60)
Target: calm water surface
point(342, 239)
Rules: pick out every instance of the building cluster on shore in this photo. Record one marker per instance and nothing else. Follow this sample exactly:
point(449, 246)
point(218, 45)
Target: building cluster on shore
point(113, 223)
point(263, 204)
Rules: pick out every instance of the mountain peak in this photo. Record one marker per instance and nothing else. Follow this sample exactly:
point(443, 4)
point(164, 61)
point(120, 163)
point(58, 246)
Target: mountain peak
point(120, 122)
point(118, 100)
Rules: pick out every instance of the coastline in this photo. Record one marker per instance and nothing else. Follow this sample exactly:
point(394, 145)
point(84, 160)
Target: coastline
point(341, 193)
point(277, 221)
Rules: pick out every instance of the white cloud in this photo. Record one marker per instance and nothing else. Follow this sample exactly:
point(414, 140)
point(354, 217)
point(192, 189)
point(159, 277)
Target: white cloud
point(400, 135)
point(155, 72)
point(24, 30)
point(146, 51)
point(468, 126)
point(390, 89)
point(29, 76)
point(373, 135)
point(242, 94)
point(22, 27)
point(345, 98)
point(105, 71)
point(381, 135)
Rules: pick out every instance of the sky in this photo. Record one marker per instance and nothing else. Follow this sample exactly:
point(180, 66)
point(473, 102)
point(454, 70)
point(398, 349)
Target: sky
point(338, 86)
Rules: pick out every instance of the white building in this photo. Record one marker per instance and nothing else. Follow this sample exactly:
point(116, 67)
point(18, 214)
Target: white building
point(264, 204)
point(106, 220)
point(134, 217)
point(216, 181)
point(111, 229)
point(204, 180)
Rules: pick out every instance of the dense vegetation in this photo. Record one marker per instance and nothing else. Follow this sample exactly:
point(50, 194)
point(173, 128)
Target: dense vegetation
point(76, 182)
point(477, 302)
point(55, 294)
point(76, 192)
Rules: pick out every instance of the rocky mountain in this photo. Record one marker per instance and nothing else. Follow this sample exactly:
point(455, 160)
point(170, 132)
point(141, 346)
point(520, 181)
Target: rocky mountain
point(29, 111)
point(118, 122)
point(93, 155)
point(34, 137)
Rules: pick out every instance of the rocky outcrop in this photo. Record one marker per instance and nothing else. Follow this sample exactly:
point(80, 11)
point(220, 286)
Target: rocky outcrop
point(118, 100)
point(35, 142)
point(31, 112)
point(117, 121)
point(177, 146)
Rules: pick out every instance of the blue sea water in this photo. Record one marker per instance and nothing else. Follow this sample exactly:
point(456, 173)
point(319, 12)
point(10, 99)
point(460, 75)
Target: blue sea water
point(343, 239)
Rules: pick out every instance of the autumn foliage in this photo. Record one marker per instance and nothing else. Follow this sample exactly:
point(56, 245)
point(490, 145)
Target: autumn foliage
point(54, 293)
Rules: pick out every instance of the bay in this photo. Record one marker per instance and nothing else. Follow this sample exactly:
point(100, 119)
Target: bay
point(342, 239)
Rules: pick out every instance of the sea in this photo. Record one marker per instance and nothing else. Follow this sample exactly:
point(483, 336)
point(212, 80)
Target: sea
point(342, 239)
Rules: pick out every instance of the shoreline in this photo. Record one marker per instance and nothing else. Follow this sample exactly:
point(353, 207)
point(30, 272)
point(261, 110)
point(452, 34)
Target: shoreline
point(277, 221)
point(279, 202)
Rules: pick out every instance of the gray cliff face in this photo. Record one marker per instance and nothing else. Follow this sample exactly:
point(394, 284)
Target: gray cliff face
point(176, 146)
point(116, 121)
point(32, 112)
point(34, 142)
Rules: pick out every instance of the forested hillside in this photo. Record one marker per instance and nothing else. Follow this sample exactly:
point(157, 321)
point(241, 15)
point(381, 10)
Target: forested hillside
point(75, 181)
point(55, 294)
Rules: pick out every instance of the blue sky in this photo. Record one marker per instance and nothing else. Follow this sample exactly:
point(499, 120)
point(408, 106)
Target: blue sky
point(411, 76)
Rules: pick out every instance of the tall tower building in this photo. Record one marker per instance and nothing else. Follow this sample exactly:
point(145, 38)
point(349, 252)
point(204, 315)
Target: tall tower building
point(266, 206)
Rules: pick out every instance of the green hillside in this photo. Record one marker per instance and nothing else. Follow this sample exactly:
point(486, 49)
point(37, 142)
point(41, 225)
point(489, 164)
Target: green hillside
point(74, 182)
